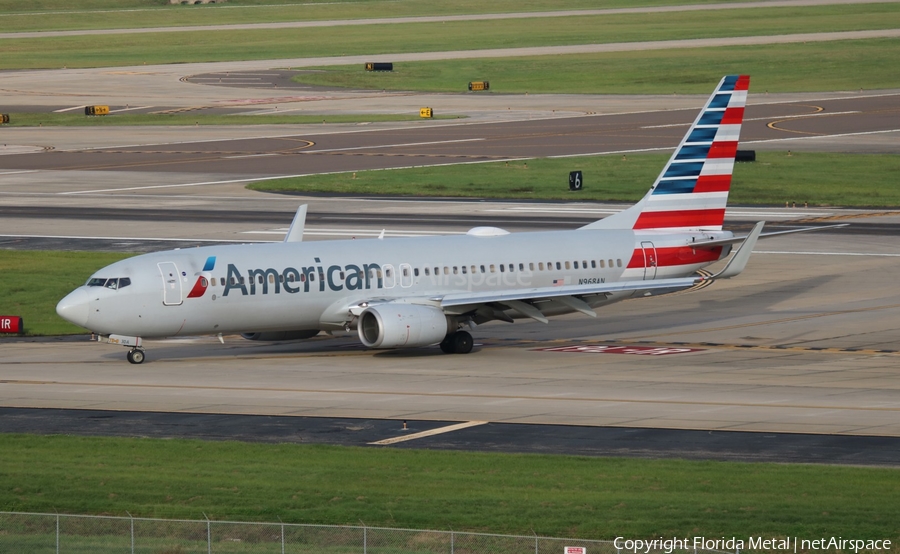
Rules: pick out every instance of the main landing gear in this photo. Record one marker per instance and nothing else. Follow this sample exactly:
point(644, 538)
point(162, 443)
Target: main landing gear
point(459, 342)
point(135, 356)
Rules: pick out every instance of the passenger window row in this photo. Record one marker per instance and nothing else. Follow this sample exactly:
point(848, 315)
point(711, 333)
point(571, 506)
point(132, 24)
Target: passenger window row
point(447, 270)
point(510, 268)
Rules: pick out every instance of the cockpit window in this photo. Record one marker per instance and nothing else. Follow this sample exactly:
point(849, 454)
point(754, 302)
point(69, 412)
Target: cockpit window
point(115, 283)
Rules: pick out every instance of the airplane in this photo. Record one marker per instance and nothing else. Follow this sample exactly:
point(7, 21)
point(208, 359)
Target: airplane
point(422, 291)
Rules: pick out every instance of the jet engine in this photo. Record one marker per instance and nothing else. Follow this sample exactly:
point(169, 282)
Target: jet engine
point(396, 325)
point(281, 335)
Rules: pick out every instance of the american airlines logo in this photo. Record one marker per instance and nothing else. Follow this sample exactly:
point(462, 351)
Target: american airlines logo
point(293, 280)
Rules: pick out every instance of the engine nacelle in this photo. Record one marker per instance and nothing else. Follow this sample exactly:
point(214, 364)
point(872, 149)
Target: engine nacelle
point(398, 325)
point(281, 335)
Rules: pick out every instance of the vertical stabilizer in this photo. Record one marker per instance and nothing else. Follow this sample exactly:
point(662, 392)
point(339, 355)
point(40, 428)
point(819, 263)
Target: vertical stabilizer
point(692, 190)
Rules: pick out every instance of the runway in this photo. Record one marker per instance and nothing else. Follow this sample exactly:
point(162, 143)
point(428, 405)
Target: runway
point(434, 19)
point(803, 344)
point(805, 341)
point(767, 126)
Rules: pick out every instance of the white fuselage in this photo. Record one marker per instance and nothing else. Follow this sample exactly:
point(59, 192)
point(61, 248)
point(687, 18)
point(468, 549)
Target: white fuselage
point(313, 285)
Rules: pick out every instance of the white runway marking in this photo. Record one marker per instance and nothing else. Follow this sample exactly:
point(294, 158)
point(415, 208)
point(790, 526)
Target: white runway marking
point(251, 156)
point(398, 234)
point(396, 145)
point(10, 149)
point(72, 109)
point(130, 109)
point(408, 19)
point(862, 133)
point(778, 214)
point(326, 232)
point(872, 254)
point(121, 238)
point(783, 117)
point(536, 209)
point(270, 178)
point(179, 185)
point(431, 433)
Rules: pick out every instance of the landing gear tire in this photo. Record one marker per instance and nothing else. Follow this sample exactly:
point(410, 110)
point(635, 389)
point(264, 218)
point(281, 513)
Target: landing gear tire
point(462, 342)
point(447, 344)
point(457, 343)
point(135, 356)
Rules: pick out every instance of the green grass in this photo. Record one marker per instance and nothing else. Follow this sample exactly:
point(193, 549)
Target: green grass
point(822, 66)
point(852, 180)
point(80, 120)
point(592, 498)
point(123, 14)
point(33, 282)
point(205, 46)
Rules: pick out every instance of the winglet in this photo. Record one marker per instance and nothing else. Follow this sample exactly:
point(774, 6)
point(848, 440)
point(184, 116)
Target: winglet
point(738, 262)
point(295, 232)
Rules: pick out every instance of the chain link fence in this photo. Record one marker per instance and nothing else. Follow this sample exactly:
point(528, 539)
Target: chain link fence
point(75, 534)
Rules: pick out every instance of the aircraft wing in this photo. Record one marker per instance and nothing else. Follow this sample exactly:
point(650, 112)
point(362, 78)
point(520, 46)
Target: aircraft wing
point(538, 293)
point(520, 299)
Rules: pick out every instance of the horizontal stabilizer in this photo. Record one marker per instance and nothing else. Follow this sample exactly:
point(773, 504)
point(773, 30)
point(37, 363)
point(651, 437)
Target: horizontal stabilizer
point(738, 261)
point(736, 240)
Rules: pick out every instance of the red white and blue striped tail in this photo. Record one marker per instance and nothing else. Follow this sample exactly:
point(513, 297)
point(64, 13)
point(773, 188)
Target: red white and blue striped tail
point(692, 190)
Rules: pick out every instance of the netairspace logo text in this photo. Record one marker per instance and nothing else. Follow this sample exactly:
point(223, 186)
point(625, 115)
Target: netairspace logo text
point(785, 544)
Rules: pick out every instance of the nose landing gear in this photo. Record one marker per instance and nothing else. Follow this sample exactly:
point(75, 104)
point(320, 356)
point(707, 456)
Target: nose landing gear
point(136, 354)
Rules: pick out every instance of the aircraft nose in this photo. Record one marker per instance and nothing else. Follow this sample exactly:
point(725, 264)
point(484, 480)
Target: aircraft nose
point(74, 307)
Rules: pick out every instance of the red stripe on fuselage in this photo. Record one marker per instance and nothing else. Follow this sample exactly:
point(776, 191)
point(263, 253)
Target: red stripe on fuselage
point(674, 255)
point(680, 218)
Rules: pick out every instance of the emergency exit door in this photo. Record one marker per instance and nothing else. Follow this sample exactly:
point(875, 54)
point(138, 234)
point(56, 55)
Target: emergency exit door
point(171, 283)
